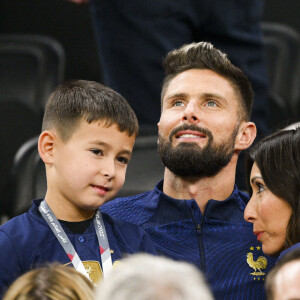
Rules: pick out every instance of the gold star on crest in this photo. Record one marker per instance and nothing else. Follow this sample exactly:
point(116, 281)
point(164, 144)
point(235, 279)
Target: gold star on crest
point(251, 248)
point(258, 247)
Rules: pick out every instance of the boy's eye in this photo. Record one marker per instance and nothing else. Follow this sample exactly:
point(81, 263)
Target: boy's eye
point(123, 160)
point(97, 151)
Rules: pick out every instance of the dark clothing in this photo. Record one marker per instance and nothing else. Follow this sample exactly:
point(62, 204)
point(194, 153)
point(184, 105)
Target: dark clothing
point(217, 242)
point(296, 246)
point(134, 36)
point(27, 242)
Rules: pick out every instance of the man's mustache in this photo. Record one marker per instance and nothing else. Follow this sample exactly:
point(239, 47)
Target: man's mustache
point(190, 127)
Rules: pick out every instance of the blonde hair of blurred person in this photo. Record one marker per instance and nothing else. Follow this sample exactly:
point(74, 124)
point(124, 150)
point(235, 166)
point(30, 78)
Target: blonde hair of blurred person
point(53, 282)
point(145, 277)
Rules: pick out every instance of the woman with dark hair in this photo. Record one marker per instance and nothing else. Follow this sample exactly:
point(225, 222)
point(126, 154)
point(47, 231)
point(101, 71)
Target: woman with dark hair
point(273, 173)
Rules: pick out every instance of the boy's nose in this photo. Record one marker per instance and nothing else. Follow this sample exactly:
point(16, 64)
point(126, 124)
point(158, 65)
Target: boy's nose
point(108, 170)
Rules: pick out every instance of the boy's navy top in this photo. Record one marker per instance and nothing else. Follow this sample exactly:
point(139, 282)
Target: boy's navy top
point(27, 242)
point(219, 241)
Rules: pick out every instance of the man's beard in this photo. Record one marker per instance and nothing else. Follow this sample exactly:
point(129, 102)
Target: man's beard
point(188, 159)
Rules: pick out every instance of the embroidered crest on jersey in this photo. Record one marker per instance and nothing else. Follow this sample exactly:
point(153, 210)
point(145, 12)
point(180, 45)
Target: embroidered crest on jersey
point(257, 264)
point(93, 268)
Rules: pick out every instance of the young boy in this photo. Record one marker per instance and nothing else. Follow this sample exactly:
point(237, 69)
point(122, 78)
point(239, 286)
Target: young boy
point(86, 142)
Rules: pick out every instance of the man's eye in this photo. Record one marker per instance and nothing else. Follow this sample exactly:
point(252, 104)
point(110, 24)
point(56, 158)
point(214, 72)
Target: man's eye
point(123, 160)
point(178, 103)
point(211, 103)
point(97, 151)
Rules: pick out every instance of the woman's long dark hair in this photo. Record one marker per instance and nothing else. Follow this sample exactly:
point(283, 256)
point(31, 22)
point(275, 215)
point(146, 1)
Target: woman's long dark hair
point(278, 159)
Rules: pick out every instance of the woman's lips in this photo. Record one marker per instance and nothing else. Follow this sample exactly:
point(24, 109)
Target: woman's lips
point(258, 234)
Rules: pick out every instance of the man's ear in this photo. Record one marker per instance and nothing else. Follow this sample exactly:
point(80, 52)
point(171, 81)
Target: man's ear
point(46, 146)
point(246, 135)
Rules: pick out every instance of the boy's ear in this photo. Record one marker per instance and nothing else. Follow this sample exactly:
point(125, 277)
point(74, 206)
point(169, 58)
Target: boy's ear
point(246, 135)
point(46, 146)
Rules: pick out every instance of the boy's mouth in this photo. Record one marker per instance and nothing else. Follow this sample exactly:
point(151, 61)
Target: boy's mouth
point(100, 189)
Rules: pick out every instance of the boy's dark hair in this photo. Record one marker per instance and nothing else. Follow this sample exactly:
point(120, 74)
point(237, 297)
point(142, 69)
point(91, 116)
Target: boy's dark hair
point(278, 159)
point(91, 101)
point(270, 286)
point(203, 55)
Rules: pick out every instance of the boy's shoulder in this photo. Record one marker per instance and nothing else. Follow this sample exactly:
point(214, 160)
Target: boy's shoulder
point(136, 209)
point(25, 225)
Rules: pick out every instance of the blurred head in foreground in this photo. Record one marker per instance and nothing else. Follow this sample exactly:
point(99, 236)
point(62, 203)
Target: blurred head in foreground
point(145, 277)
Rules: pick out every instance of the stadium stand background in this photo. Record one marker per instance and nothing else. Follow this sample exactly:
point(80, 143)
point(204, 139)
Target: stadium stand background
point(70, 24)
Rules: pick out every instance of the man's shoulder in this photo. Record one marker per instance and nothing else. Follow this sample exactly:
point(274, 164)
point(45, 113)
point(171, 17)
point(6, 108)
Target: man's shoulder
point(135, 209)
point(119, 224)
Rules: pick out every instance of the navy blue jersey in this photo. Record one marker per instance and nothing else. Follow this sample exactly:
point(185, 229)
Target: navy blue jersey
point(219, 241)
point(283, 253)
point(27, 242)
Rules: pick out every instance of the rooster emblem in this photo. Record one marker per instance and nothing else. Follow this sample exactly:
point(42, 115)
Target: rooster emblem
point(260, 263)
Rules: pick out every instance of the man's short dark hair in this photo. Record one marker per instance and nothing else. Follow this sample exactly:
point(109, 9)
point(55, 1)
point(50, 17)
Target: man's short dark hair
point(91, 101)
point(203, 55)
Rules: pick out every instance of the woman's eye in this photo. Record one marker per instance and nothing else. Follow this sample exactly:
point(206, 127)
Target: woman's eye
point(97, 152)
point(260, 187)
point(123, 160)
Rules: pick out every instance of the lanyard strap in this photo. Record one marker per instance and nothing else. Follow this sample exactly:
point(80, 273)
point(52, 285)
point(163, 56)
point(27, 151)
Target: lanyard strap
point(65, 242)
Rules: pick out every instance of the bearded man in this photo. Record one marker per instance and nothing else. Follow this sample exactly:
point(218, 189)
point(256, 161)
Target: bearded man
point(195, 213)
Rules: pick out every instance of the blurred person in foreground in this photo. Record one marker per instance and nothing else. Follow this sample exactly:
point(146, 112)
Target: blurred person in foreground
point(282, 283)
point(143, 277)
point(52, 282)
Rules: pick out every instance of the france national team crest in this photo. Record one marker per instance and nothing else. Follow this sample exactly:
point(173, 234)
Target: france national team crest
point(93, 269)
point(257, 262)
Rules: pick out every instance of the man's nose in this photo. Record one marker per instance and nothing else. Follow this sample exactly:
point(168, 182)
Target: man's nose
point(191, 113)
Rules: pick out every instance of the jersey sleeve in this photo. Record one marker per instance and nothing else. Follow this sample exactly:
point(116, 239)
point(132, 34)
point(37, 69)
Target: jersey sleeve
point(10, 267)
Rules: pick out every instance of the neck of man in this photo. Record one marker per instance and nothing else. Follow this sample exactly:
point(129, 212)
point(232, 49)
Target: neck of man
point(218, 187)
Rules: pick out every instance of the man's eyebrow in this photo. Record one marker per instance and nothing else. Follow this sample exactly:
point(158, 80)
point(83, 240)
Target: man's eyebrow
point(214, 96)
point(177, 95)
point(204, 95)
